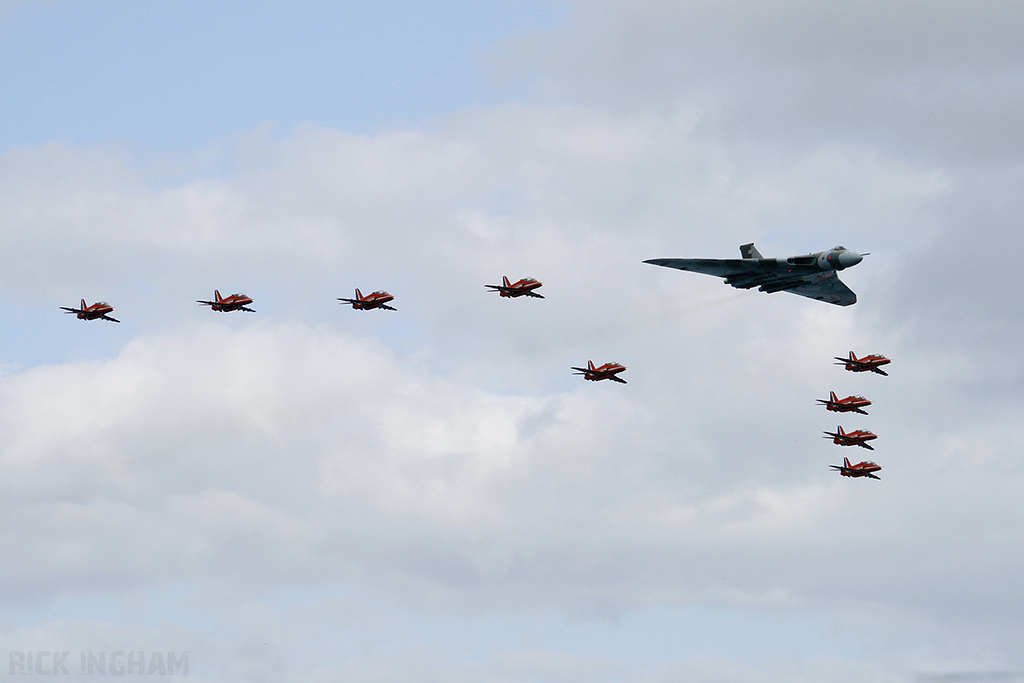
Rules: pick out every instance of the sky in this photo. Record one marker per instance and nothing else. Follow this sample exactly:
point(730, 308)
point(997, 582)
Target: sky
point(314, 493)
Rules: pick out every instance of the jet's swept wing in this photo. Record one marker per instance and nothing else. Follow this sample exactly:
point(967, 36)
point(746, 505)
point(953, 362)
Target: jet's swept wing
point(514, 291)
point(812, 275)
point(600, 376)
point(367, 303)
point(523, 287)
point(854, 472)
point(606, 371)
point(98, 310)
point(224, 306)
point(377, 299)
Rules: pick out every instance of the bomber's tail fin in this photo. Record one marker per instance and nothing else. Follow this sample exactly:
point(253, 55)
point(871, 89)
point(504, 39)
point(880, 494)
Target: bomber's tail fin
point(750, 251)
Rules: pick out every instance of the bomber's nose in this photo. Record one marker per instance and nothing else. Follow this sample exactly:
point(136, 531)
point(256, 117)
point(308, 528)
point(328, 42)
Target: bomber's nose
point(850, 258)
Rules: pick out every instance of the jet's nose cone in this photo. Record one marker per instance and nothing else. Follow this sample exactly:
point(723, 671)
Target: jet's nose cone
point(850, 258)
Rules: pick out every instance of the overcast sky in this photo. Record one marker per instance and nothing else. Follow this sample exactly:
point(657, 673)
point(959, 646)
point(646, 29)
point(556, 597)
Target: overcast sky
point(313, 493)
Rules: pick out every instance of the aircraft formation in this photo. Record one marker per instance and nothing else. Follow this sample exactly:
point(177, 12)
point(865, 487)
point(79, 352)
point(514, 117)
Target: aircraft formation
point(854, 404)
point(379, 299)
point(814, 276)
point(811, 275)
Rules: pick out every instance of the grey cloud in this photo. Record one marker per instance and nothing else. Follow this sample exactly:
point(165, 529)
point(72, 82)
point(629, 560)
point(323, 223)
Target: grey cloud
point(445, 458)
point(941, 80)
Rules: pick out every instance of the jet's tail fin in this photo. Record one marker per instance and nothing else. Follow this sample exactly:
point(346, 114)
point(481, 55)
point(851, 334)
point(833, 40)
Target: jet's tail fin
point(83, 304)
point(216, 295)
point(504, 281)
point(359, 295)
point(846, 462)
point(590, 365)
point(750, 251)
point(833, 397)
point(839, 431)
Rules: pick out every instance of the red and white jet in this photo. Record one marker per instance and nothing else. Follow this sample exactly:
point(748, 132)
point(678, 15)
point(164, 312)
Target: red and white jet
point(861, 469)
point(606, 371)
point(850, 404)
point(378, 299)
point(870, 363)
point(235, 302)
point(855, 438)
point(523, 287)
point(97, 310)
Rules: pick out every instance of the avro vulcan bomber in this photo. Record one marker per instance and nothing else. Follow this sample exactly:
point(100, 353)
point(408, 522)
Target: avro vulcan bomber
point(812, 275)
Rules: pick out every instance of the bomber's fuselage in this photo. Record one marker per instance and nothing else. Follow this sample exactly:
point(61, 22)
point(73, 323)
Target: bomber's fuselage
point(838, 258)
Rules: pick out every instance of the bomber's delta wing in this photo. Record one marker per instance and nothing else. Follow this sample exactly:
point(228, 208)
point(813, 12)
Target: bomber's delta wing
point(709, 266)
point(830, 290)
point(810, 275)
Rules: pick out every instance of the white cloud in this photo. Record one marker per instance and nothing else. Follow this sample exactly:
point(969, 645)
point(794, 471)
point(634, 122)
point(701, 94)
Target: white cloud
point(443, 461)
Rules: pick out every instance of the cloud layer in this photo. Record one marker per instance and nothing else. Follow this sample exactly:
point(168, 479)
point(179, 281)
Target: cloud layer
point(317, 477)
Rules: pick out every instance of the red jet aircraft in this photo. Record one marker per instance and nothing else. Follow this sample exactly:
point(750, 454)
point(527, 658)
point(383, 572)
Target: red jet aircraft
point(97, 310)
point(235, 302)
point(850, 404)
point(606, 371)
point(524, 287)
point(861, 469)
point(378, 299)
point(854, 438)
point(867, 363)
